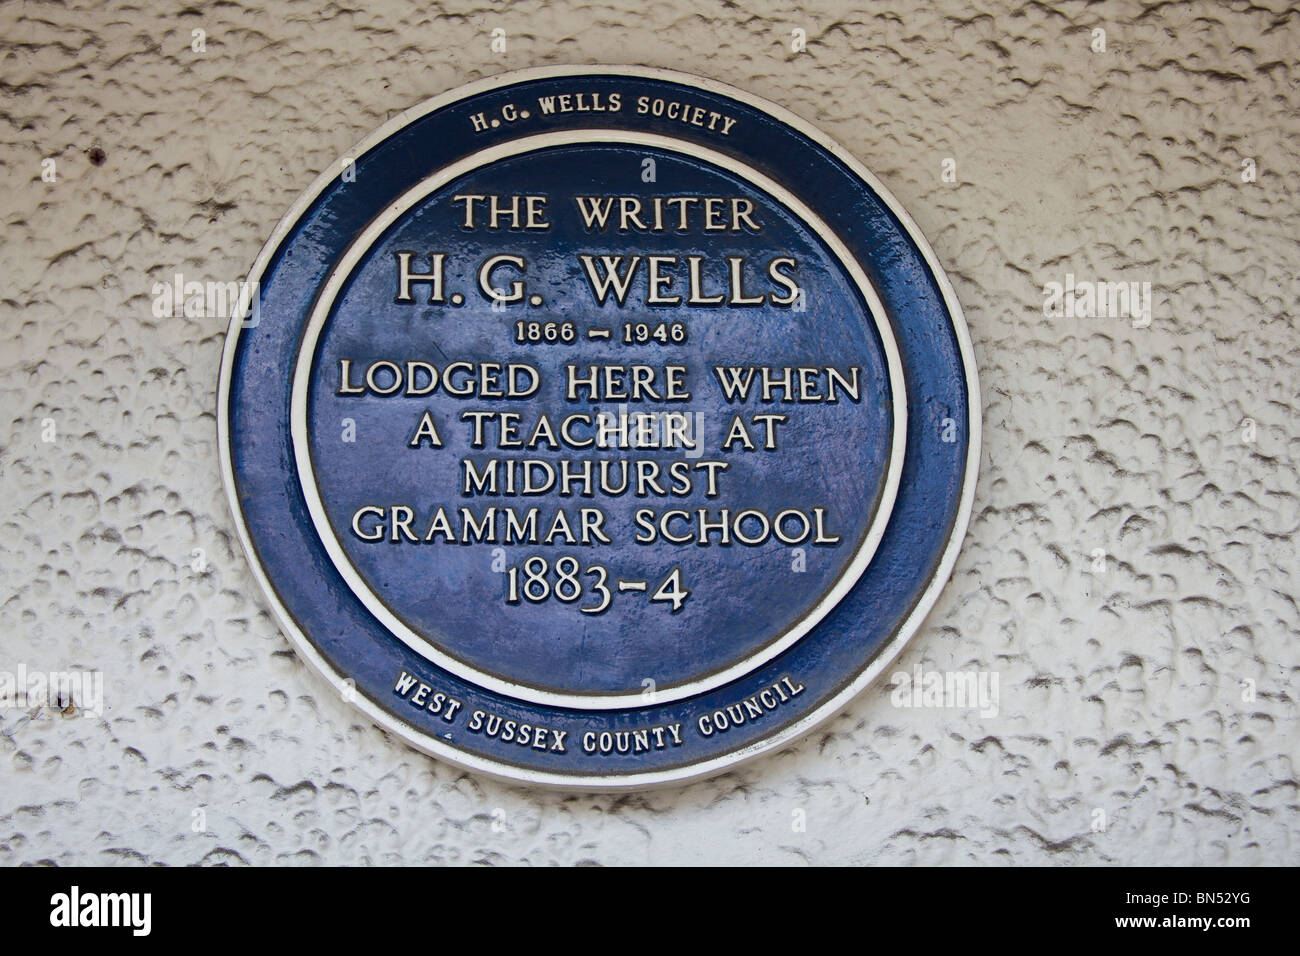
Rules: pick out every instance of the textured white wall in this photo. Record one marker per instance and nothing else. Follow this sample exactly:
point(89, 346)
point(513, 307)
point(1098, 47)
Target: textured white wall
point(1121, 691)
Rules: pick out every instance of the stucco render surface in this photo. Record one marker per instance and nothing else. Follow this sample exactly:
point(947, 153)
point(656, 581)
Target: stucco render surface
point(1156, 696)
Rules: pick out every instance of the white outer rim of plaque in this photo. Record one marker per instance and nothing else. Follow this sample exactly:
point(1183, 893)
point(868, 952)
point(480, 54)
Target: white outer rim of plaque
point(852, 569)
point(512, 773)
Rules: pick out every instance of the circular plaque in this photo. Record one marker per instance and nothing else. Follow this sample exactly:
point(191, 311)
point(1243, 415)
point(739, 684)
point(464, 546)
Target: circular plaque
point(599, 427)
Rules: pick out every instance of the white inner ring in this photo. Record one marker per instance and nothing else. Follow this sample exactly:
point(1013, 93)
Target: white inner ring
point(307, 479)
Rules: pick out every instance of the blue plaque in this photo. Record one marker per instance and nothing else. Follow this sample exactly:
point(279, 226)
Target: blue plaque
point(599, 427)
